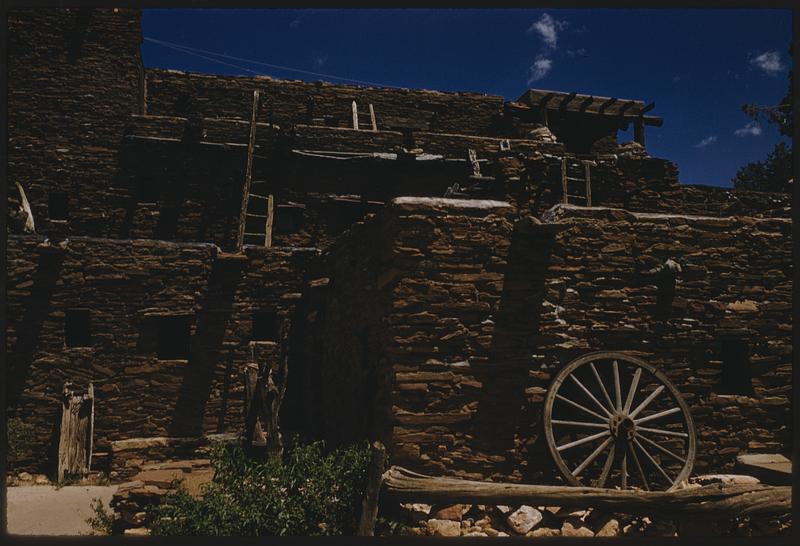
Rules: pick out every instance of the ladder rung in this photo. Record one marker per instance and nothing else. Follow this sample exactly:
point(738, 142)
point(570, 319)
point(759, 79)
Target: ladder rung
point(264, 197)
point(576, 179)
point(256, 215)
point(577, 196)
point(256, 234)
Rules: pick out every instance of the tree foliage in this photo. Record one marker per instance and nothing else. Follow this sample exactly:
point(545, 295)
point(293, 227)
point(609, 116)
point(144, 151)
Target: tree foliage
point(775, 172)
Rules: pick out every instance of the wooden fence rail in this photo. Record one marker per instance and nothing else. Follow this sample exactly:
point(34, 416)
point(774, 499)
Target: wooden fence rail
point(717, 500)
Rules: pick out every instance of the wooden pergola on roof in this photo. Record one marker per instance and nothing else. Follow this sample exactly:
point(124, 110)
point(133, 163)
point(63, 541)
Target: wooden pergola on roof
point(625, 110)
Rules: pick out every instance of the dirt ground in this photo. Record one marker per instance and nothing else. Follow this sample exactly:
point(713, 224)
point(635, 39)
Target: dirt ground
point(45, 510)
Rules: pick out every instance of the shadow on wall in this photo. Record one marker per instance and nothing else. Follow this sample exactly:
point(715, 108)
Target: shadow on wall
point(204, 358)
point(506, 423)
point(37, 307)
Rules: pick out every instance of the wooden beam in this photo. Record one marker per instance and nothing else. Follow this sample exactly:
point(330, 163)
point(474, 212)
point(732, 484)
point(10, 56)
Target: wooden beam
point(369, 504)
point(372, 117)
point(585, 103)
point(588, 175)
point(248, 171)
point(402, 485)
point(566, 100)
point(647, 108)
point(547, 98)
point(625, 107)
point(606, 104)
point(565, 198)
point(638, 131)
point(270, 221)
point(653, 121)
point(354, 108)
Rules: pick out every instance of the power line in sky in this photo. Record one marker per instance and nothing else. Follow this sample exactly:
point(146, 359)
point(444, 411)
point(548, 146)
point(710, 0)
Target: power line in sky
point(198, 53)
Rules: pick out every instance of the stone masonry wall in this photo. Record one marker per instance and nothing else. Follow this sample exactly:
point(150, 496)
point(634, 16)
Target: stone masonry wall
point(287, 102)
point(128, 286)
point(73, 81)
point(485, 309)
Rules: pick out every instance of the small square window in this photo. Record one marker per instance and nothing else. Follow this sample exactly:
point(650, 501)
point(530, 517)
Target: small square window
point(77, 328)
point(172, 338)
point(58, 205)
point(266, 326)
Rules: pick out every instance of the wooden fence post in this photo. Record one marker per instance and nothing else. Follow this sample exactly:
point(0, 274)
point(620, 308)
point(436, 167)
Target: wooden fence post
point(369, 505)
point(77, 428)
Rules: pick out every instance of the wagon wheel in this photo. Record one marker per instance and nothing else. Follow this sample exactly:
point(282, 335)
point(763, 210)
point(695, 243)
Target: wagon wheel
point(614, 421)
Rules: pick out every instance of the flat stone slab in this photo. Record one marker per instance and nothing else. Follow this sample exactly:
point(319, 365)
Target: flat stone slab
point(770, 468)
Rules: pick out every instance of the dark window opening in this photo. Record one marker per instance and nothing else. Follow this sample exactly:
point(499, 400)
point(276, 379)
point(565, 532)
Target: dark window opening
point(408, 138)
point(666, 293)
point(172, 341)
point(737, 374)
point(58, 205)
point(148, 190)
point(266, 326)
point(287, 220)
point(77, 328)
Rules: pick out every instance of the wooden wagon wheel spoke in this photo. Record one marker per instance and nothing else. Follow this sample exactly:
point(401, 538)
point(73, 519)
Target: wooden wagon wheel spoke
point(660, 447)
point(617, 387)
point(591, 457)
point(639, 468)
point(652, 460)
point(602, 385)
point(657, 415)
point(621, 435)
point(635, 383)
point(582, 441)
point(587, 410)
point(606, 467)
point(663, 432)
point(579, 424)
point(590, 395)
point(624, 467)
point(647, 401)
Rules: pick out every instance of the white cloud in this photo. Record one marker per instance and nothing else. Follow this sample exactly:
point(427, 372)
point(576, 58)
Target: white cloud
point(751, 129)
point(770, 62)
point(546, 27)
point(540, 68)
point(708, 141)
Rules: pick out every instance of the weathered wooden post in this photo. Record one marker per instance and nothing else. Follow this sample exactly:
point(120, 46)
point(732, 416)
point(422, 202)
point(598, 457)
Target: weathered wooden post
point(369, 505)
point(254, 432)
point(77, 428)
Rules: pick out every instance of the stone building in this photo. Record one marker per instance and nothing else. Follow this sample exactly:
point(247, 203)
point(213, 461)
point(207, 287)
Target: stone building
point(426, 261)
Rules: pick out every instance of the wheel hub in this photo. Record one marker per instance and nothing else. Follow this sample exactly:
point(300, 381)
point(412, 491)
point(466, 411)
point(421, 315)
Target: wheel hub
point(622, 426)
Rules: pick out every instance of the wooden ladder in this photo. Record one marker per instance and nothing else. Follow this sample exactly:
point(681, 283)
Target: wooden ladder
point(257, 209)
point(574, 171)
point(363, 118)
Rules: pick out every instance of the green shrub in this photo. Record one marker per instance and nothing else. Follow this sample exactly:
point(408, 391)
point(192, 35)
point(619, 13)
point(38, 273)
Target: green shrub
point(20, 438)
point(102, 523)
point(313, 492)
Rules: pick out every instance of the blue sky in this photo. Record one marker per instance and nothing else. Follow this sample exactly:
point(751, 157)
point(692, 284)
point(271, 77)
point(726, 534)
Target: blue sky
point(699, 65)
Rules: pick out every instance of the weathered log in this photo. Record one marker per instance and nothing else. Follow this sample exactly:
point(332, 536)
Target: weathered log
point(369, 505)
point(717, 500)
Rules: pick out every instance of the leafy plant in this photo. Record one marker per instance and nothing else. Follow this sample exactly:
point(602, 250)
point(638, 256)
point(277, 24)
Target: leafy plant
point(102, 523)
point(313, 492)
point(20, 438)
